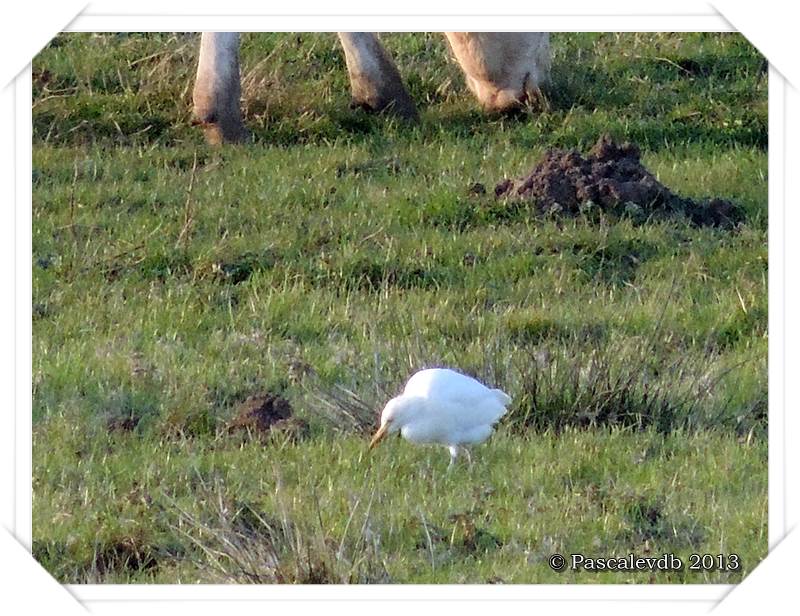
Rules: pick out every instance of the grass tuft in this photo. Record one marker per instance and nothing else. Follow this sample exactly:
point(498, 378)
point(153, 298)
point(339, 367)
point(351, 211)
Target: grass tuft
point(241, 545)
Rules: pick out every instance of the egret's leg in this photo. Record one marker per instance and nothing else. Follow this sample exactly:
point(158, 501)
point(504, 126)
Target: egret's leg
point(453, 455)
point(468, 454)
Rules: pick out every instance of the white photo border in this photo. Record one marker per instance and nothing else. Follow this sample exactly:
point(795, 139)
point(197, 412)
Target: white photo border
point(105, 597)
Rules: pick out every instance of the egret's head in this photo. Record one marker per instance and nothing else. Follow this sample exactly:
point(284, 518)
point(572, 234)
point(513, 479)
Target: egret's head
point(393, 418)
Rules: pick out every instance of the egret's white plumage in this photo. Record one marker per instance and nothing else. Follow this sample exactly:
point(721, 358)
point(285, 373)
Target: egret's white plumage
point(443, 406)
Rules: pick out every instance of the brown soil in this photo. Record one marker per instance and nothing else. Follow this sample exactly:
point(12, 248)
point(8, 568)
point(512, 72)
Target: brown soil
point(127, 423)
point(130, 553)
point(612, 178)
point(265, 413)
point(260, 412)
point(293, 429)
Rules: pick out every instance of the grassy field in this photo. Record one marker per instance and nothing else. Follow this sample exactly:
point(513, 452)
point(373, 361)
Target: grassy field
point(336, 253)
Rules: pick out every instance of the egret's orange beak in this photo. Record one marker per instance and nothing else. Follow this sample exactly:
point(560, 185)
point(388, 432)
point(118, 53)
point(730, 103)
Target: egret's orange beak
point(379, 435)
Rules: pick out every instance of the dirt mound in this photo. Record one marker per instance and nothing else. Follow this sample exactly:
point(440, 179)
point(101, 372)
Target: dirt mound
point(128, 423)
point(612, 178)
point(265, 413)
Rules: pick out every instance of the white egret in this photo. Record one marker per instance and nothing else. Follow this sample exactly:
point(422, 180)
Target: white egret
point(443, 406)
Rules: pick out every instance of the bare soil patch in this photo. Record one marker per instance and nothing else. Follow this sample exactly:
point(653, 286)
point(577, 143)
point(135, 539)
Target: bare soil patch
point(266, 413)
point(612, 178)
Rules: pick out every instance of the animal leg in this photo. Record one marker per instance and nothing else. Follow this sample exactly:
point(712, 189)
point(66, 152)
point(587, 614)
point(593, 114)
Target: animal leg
point(467, 453)
point(375, 82)
point(453, 455)
point(217, 88)
point(504, 70)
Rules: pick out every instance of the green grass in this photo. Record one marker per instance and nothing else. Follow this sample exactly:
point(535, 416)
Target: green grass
point(599, 493)
point(172, 280)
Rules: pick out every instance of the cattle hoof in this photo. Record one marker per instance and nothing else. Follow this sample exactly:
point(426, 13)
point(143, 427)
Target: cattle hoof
point(405, 110)
point(217, 134)
point(224, 130)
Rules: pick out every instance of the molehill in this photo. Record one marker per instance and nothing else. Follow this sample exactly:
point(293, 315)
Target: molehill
point(612, 178)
